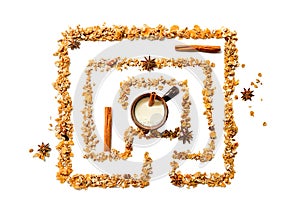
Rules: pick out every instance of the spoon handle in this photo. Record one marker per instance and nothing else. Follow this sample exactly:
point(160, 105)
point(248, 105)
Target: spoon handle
point(171, 93)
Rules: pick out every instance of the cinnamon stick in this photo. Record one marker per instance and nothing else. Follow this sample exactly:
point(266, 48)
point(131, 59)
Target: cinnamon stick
point(199, 48)
point(152, 99)
point(107, 128)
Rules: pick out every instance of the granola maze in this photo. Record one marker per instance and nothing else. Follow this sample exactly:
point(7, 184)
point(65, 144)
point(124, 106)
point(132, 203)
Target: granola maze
point(64, 128)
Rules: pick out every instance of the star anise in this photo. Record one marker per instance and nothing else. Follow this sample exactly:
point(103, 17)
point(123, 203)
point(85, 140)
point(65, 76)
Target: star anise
point(74, 44)
point(247, 94)
point(43, 151)
point(44, 148)
point(148, 64)
point(186, 135)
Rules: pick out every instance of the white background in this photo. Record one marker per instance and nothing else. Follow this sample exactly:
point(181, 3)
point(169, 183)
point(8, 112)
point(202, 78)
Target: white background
point(267, 164)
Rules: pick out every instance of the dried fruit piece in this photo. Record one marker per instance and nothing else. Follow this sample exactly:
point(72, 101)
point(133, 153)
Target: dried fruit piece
point(74, 44)
point(170, 134)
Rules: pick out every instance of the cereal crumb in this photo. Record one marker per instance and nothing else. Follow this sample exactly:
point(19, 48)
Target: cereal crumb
point(251, 113)
point(264, 124)
point(259, 74)
point(160, 88)
point(261, 99)
point(212, 64)
point(250, 106)
point(243, 65)
point(236, 97)
point(30, 150)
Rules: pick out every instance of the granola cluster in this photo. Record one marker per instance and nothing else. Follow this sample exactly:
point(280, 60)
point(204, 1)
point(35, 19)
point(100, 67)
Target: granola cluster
point(64, 126)
point(80, 181)
point(73, 36)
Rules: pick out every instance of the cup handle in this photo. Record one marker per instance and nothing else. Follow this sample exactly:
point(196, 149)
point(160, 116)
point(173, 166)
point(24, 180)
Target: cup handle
point(171, 93)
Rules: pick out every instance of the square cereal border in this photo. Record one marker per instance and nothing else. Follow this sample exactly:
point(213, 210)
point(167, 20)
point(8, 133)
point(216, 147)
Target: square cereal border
point(64, 128)
point(123, 64)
